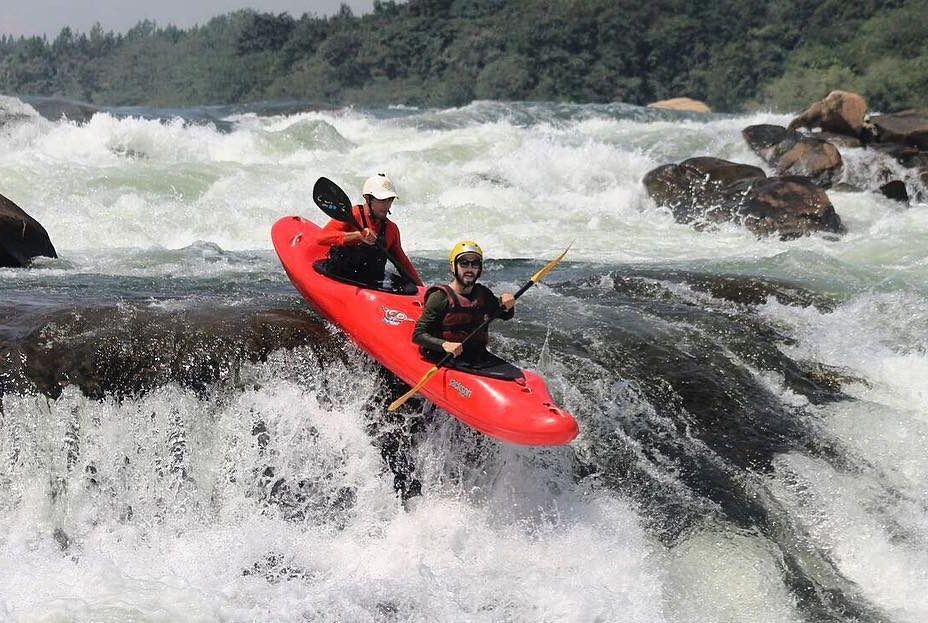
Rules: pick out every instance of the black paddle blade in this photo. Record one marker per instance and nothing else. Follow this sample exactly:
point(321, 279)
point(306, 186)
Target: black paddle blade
point(332, 200)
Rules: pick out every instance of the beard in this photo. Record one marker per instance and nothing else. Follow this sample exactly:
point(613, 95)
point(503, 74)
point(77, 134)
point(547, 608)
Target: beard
point(466, 280)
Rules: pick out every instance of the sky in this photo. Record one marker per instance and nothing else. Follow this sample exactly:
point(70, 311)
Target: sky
point(48, 17)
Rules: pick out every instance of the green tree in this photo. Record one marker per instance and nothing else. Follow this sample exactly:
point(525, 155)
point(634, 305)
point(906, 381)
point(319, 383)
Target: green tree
point(779, 54)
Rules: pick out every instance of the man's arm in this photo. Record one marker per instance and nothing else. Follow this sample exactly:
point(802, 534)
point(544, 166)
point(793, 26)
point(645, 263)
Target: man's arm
point(495, 307)
point(336, 234)
point(396, 250)
point(429, 322)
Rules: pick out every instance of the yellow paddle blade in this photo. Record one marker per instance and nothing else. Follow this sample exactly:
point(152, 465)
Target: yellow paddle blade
point(396, 404)
point(547, 268)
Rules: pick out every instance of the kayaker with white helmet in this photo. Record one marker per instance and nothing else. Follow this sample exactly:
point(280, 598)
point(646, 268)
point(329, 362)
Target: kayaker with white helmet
point(454, 310)
point(356, 255)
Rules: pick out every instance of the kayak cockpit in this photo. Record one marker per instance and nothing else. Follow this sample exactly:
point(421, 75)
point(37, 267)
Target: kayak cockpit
point(391, 282)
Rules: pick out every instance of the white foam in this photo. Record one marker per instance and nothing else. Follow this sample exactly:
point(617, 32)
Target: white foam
point(727, 576)
point(199, 543)
point(525, 189)
point(874, 533)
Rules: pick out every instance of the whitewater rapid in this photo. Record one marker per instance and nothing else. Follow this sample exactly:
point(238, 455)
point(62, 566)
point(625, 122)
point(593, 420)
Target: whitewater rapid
point(165, 510)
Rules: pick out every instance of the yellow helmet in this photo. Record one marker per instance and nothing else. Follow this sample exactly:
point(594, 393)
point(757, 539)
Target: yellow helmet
point(465, 246)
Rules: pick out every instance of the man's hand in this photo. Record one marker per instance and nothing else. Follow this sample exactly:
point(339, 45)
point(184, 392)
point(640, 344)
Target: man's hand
point(453, 348)
point(507, 300)
point(367, 236)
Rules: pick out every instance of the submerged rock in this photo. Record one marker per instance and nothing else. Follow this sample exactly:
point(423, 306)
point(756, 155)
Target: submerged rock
point(703, 405)
point(114, 351)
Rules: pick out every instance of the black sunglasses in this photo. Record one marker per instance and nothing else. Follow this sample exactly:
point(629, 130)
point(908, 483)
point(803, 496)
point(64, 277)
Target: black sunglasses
point(470, 263)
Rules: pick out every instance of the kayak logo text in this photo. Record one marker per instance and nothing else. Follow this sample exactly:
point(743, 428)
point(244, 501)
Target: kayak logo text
point(394, 317)
point(459, 387)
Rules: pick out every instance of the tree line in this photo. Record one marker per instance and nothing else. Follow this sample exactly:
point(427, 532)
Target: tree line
point(736, 55)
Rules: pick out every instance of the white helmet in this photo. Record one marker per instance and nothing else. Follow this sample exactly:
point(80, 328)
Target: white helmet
point(380, 186)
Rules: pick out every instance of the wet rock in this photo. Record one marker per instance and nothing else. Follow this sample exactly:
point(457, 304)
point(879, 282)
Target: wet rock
point(909, 127)
point(895, 190)
point(21, 237)
point(791, 153)
point(56, 108)
point(696, 421)
point(709, 190)
point(831, 378)
point(752, 292)
point(841, 112)
point(790, 206)
point(694, 189)
point(723, 172)
point(126, 352)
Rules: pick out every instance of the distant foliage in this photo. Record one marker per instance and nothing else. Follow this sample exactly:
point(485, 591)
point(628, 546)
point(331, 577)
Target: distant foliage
point(734, 55)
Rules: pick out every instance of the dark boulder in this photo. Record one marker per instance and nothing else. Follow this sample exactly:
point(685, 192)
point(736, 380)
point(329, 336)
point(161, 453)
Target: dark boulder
point(124, 351)
point(895, 190)
point(55, 108)
point(723, 172)
point(909, 127)
point(693, 189)
point(790, 206)
point(21, 237)
point(701, 191)
point(791, 153)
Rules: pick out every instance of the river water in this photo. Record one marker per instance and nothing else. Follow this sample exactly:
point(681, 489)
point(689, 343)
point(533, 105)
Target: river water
point(753, 412)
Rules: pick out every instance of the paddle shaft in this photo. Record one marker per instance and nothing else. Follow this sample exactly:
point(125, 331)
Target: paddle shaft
point(425, 379)
point(483, 325)
point(415, 388)
point(525, 286)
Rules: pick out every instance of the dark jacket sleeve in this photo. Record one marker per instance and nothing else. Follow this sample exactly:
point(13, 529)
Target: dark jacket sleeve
point(494, 307)
point(429, 324)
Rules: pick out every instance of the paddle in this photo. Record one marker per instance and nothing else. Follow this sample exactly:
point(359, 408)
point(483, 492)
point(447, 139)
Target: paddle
point(425, 379)
point(333, 201)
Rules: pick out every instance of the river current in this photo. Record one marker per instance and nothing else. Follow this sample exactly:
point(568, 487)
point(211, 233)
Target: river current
point(183, 438)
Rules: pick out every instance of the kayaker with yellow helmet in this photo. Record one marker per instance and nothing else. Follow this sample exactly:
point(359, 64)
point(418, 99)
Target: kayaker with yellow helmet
point(452, 311)
point(356, 255)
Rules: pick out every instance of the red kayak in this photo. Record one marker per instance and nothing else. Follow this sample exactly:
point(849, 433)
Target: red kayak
point(498, 399)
